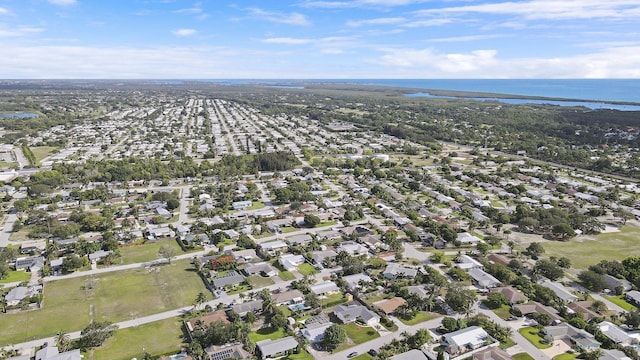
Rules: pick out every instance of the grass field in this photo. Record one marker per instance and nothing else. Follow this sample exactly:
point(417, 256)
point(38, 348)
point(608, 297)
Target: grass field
point(364, 356)
point(420, 317)
point(502, 311)
point(256, 205)
point(266, 333)
point(522, 356)
point(70, 304)
point(145, 252)
point(332, 300)
point(609, 246)
point(531, 333)
point(286, 275)
point(565, 356)
point(307, 269)
point(156, 338)
point(15, 276)
point(257, 281)
point(620, 301)
point(41, 152)
point(4, 164)
point(360, 334)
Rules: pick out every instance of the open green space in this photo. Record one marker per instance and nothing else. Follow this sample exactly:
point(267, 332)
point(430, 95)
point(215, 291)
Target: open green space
point(609, 246)
point(70, 304)
point(267, 333)
point(332, 300)
point(156, 338)
point(145, 252)
point(531, 333)
point(286, 275)
point(16, 276)
point(41, 152)
point(522, 356)
point(620, 301)
point(307, 269)
point(240, 288)
point(364, 356)
point(360, 334)
point(257, 281)
point(502, 311)
point(5, 164)
point(256, 205)
point(421, 316)
point(565, 356)
point(302, 355)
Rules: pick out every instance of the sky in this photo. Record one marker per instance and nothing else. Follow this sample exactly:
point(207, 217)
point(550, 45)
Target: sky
point(324, 39)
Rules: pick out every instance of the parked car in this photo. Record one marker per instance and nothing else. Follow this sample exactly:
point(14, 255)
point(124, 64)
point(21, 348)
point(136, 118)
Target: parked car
point(352, 355)
point(373, 352)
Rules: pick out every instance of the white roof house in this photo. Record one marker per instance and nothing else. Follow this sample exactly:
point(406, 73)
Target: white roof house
point(353, 281)
point(560, 290)
point(466, 263)
point(394, 270)
point(472, 337)
point(324, 288)
point(271, 348)
point(290, 261)
point(483, 280)
point(273, 247)
point(618, 335)
point(352, 248)
point(466, 238)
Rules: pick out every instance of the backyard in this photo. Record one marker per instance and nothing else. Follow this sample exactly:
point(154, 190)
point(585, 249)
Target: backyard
point(145, 252)
point(70, 304)
point(531, 333)
point(360, 334)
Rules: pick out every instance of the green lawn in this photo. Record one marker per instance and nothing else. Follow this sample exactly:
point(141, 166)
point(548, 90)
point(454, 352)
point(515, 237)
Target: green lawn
point(332, 300)
point(360, 334)
point(565, 356)
point(286, 275)
point(15, 276)
point(620, 301)
point(156, 338)
point(257, 281)
point(420, 317)
point(41, 152)
point(266, 333)
point(531, 333)
point(241, 288)
point(307, 269)
point(145, 252)
point(502, 311)
point(522, 356)
point(609, 246)
point(302, 355)
point(327, 223)
point(364, 356)
point(256, 205)
point(70, 304)
point(4, 164)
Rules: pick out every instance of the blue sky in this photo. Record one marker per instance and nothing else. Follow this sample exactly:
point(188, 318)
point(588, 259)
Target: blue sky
point(319, 39)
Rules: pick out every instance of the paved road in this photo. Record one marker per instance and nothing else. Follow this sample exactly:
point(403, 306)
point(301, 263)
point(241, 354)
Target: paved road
point(5, 233)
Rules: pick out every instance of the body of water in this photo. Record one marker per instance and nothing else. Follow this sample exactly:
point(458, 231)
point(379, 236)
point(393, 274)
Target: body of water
point(19, 116)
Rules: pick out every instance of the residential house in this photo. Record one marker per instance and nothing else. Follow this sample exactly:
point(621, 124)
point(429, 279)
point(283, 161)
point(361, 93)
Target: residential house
point(356, 281)
point(352, 248)
point(17, 294)
point(395, 270)
point(467, 263)
point(514, 296)
point(271, 349)
point(291, 297)
point(329, 235)
point(608, 354)
point(498, 259)
point(99, 255)
point(274, 248)
point(535, 307)
point(350, 312)
point(579, 337)
point(325, 288)
point(227, 351)
point(560, 290)
point(52, 353)
point(582, 307)
point(492, 353)
point(229, 279)
point(206, 320)
point(299, 240)
point(241, 205)
point(633, 296)
point(254, 306)
point(483, 280)
point(29, 263)
point(413, 354)
point(613, 283)
point(291, 262)
point(389, 306)
point(467, 339)
point(618, 335)
point(466, 238)
point(262, 269)
point(314, 328)
point(319, 257)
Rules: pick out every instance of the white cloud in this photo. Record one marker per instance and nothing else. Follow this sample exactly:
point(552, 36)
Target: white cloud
point(184, 32)
point(278, 17)
point(360, 3)
point(4, 11)
point(467, 38)
point(617, 62)
point(378, 21)
point(287, 40)
point(430, 22)
point(192, 10)
point(550, 9)
point(63, 2)
point(19, 31)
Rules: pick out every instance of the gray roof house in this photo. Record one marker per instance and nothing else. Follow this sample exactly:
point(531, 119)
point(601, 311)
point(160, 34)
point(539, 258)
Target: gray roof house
point(353, 281)
point(581, 338)
point(270, 349)
point(52, 353)
point(324, 288)
point(298, 240)
point(560, 290)
point(613, 282)
point(633, 296)
point(482, 279)
point(242, 309)
point(394, 270)
point(260, 269)
point(231, 278)
point(350, 312)
point(24, 263)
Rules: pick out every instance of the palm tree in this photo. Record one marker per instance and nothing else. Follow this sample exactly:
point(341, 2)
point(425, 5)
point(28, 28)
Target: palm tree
point(200, 299)
point(63, 341)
